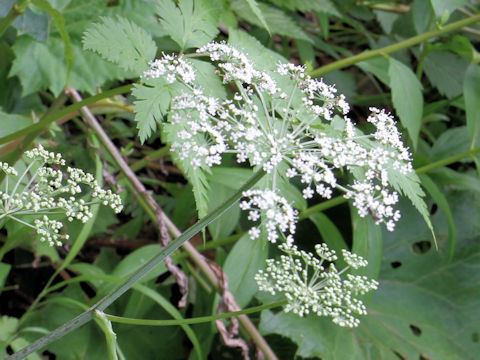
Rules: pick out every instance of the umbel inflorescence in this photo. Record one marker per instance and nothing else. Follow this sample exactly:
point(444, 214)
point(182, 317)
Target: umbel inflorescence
point(292, 126)
point(46, 192)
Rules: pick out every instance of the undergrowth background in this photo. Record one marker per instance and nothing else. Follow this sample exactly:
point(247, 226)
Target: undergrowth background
point(416, 59)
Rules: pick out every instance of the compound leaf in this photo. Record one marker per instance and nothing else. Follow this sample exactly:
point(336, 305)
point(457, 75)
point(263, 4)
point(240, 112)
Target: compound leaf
point(121, 41)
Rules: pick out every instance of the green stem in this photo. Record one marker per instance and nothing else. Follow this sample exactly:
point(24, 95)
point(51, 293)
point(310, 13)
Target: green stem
point(17, 10)
point(65, 111)
point(197, 320)
point(447, 161)
point(340, 199)
point(127, 284)
point(369, 54)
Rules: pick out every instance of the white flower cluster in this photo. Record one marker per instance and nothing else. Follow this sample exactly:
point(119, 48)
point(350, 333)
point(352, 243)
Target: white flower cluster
point(311, 286)
point(275, 213)
point(300, 125)
point(51, 192)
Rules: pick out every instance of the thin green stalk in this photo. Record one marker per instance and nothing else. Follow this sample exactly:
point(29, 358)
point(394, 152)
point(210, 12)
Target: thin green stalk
point(447, 161)
point(150, 157)
point(17, 10)
point(415, 40)
point(127, 284)
point(197, 320)
point(65, 111)
point(340, 199)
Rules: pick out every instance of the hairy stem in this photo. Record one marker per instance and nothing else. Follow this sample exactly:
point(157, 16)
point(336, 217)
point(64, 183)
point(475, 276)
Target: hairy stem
point(340, 64)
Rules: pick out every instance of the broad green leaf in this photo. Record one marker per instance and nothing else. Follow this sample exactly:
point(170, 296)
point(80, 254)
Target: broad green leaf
point(263, 58)
point(455, 179)
point(33, 24)
point(225, 224)
point(10, 123)
point(442, 203)
point(136, 259)
point(451, 142)
point(4, 270)
point(258, 13)
point(421, 11)
point(446, 6)
point(407, 97)
point(315, 336)
point(471, 90)
point(243, 262)
point(323, 6)
point(192, 23)
point(368, 243)
point(122, 42)
point(446, 71)
point(59, 22)
point(40, 66)
point(330, 235)
point(278, 22)
point(425, 306)
point(379, 67)
point(210, 83)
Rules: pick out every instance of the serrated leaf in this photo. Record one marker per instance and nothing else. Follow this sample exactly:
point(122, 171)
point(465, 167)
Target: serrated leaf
point(407, 97)
point(151, 104)
point(258, 13)
point(442, 203)
point(122, 42)
point(446, 71)
point(451, 142)
point(278, 22)
point(192, 24)
point(409, 186)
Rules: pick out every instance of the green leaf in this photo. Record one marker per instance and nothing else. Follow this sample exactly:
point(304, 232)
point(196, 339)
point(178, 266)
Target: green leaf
point(407, 97)
point(4, 270)
point(278, 22)
point(451, 142)
point(192, 24)
point(408, 185)
point(151, 104)
point(59, 22)
point(330, 235)
point(315, 336)
point(136, 259)
point(471, 90)
point(39, 66)
point(226, 223)
point(446, 6)
point(442, 203)
point(122, 42)
point(424, 307)
point(258, 13)
point(446, 71)
point(11, 123)
point(243, 262)
point(367, 242)
point(33, 24)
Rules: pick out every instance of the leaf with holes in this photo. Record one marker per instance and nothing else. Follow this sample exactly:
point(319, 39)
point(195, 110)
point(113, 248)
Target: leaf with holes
point(425, 305)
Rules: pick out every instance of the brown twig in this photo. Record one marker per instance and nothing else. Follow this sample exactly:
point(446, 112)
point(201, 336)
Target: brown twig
point(196, 256)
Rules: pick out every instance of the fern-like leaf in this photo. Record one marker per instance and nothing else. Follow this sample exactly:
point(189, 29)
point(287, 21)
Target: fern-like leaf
point(121, 41)
point(192, 24)
point(409, 185)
